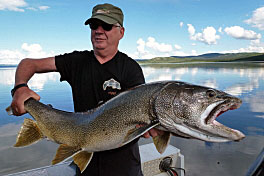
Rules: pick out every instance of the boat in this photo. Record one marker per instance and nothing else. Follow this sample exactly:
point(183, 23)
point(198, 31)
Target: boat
point(170, 163)
point(257, 168)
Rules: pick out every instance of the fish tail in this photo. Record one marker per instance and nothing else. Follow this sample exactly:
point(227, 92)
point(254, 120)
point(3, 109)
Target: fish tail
point(28, 134)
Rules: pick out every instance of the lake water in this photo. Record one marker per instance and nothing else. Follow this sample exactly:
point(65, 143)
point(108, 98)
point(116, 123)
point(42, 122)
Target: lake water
point(244, 80)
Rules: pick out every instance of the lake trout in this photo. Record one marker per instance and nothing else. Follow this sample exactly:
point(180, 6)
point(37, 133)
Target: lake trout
point(177, 108)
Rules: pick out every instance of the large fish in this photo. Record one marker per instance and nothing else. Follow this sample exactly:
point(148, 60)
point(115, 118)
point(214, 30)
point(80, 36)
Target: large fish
point(177, 108)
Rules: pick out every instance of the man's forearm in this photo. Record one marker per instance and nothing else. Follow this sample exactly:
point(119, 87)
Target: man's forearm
point(25, 70)
point(28, 67)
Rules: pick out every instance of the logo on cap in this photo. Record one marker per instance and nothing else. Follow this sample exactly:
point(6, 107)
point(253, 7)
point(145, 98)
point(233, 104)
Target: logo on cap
point(102, 11)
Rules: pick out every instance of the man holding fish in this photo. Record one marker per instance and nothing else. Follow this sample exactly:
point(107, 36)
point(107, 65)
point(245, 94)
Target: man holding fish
point(95, 77)
point(103, 139)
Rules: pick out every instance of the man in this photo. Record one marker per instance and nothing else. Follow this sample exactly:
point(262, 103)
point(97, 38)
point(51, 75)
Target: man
point(95, 77)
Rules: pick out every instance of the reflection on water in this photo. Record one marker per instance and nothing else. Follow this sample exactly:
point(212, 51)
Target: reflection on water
point(256, 103)
point(201, 158)
point(233, 78)
point(37, 82)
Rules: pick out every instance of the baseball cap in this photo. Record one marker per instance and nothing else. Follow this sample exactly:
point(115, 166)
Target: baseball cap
point(108, 13)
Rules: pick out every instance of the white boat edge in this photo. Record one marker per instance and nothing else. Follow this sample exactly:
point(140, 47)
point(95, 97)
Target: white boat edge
point(150, 161)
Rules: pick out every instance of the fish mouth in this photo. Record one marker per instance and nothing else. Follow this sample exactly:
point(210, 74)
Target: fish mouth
point(220, 108)
point(217, 129)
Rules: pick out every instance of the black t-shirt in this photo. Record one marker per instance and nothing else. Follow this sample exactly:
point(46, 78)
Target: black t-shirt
point(93, 83)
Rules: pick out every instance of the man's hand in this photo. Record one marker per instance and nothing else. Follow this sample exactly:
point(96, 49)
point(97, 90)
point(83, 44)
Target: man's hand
point(21, 95)
point(152, 132)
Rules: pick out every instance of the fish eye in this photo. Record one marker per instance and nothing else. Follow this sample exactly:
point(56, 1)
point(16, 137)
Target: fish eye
point(210, 93)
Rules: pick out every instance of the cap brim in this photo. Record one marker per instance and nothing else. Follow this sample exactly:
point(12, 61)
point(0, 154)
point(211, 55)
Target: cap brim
point(103, 18)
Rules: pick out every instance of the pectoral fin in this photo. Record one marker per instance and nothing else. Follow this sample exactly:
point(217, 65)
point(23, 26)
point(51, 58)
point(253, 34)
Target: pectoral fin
point(82, 159)
point(161, 141)
point(137, 132)
point(28, 134)
point(63, 152)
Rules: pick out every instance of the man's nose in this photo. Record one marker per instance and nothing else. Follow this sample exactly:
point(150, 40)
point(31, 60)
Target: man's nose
point(99, 29)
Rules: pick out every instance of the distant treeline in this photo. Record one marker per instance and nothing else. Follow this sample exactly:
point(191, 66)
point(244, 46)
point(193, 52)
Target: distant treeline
point(210, 57)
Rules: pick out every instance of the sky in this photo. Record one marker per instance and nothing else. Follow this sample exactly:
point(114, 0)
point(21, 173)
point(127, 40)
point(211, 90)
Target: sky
point(153, 28)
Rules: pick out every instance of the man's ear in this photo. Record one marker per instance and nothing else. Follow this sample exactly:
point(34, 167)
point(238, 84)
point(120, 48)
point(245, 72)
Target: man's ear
point(122, 31)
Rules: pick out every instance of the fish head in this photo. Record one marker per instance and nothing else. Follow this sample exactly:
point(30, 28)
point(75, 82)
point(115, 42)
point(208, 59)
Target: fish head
point(190, 111)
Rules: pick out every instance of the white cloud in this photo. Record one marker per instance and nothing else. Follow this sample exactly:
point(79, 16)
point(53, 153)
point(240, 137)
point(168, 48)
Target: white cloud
point(151, 48)
point(43, 7)
point(191, 29)
point(26, 51)
point(31, 48)
point(12, 5)
point(160, 47)
point(35, 51)
point(141, 45)
point(32, 8)
point(257, 19)
point(240, 33)
point(207, 36)
point(179, 53)
point(220, 30)
point(194, 52)
point(249, 49)
point(18, 6)
point(10, 56)
point(181, 24)
point(177, 47)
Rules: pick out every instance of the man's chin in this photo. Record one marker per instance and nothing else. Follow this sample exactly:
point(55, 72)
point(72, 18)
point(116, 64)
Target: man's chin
point(99, 46)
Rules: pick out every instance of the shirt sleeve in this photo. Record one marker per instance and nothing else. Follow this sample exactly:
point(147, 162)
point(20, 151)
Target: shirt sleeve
point(63, 63)
point(68, 64)
point(135, 75)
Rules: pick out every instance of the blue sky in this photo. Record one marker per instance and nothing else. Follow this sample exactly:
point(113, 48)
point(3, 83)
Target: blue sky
point(41, 28)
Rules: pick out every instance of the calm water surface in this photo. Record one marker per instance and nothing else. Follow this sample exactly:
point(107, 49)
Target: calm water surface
point(244, 80)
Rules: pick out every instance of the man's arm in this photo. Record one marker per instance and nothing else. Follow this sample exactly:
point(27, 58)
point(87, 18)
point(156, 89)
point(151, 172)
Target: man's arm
point(25, 70)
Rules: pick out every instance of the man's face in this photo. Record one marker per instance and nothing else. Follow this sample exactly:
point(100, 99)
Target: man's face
point(104, 38)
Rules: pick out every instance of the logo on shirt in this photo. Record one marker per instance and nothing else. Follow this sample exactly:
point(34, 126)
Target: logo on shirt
point(113, 84)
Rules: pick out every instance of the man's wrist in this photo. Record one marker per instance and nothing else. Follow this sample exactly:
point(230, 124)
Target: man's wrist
point(17, 87)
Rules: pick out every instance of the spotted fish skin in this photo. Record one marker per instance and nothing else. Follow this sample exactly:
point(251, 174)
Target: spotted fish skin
point(177, 108)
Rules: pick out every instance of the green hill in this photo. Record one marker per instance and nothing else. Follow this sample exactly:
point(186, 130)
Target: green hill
point(210, 57)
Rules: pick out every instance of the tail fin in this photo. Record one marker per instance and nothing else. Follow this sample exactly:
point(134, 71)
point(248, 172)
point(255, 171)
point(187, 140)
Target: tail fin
point(28, 134)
